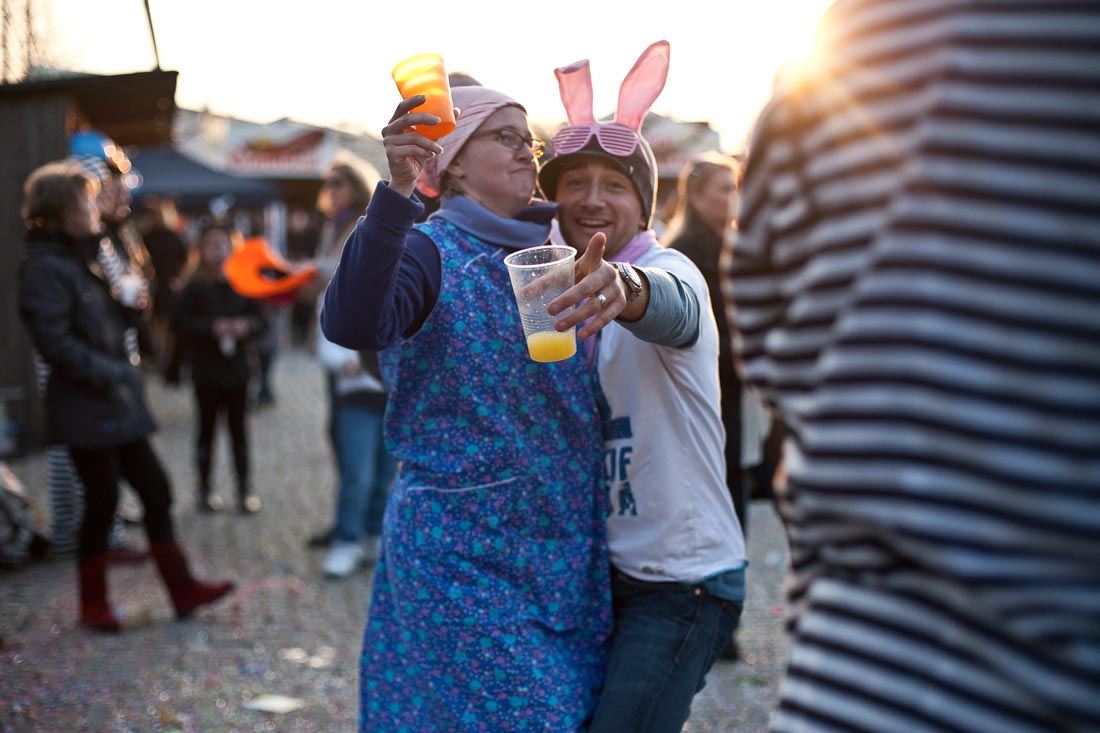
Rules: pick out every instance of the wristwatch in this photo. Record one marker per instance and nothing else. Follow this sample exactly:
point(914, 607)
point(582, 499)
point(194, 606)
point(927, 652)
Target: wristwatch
point(632, 280)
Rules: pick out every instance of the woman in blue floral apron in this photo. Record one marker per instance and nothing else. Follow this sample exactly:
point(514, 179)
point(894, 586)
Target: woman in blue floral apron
point(490, 605)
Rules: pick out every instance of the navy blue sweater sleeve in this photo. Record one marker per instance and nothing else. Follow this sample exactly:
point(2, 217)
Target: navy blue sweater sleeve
point(388, 278)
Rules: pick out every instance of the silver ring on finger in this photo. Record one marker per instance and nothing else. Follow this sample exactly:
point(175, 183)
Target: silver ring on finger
point(601, 299)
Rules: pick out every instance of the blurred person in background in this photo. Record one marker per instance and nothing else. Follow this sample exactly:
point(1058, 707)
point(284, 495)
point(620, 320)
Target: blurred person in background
point(344, 196)
point(706, 199)
point(130, 256)
point(221, 328)
point(302, 236)
point(916, 292)
point(276, 316)
point(365, 468)
point(701, 225)
point(169, 254)
point(67, 494)
point(95, 401)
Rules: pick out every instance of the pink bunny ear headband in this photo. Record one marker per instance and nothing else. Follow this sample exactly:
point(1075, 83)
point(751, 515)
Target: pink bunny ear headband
point(619, 141)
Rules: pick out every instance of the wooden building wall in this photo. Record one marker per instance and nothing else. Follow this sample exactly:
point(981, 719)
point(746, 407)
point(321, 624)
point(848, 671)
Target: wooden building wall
point(32, 132)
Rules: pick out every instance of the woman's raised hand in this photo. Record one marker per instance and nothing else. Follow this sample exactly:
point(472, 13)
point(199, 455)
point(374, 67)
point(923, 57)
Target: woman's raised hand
point(407, 150)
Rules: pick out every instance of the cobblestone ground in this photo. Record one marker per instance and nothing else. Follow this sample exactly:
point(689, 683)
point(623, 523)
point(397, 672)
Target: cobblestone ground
point(286, 630)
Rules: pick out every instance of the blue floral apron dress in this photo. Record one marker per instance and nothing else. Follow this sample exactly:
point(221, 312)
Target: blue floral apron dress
point(490, 605)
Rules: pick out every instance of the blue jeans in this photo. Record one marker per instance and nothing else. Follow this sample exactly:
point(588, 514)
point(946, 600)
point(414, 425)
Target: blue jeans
point(366, 472)
point(666, 637)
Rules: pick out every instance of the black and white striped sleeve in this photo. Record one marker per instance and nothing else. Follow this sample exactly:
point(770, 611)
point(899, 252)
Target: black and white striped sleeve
point(916, 289)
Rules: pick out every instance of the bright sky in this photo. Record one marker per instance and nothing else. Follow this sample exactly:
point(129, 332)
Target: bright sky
point(328, 62)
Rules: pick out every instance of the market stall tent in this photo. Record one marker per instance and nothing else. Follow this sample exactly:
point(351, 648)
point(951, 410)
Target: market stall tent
point(168, 173)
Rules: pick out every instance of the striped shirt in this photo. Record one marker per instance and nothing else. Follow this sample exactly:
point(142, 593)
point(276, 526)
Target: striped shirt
point(114, 267)
point(916, 292)
point(66, 491)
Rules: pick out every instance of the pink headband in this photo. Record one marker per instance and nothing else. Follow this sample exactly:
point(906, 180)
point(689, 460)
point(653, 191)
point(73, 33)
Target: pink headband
point(475, 104)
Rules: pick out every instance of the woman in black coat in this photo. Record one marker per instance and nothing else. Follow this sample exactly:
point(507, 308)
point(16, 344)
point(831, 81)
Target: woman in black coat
point(95, 401)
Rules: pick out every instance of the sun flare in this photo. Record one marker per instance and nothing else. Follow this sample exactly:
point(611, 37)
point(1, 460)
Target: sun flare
point(785, 32)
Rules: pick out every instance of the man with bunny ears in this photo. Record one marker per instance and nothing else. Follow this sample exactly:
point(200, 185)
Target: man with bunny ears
point(676, 547)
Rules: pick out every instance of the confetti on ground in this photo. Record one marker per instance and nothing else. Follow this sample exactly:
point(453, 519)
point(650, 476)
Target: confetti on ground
point(323, 658)
point(294, 654)
point(274, 704)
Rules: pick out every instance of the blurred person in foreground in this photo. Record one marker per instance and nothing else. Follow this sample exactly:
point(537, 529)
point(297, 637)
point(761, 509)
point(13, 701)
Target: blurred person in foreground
point(95, 401)
point(676, 548)
point(915, 291)
point(490, 605)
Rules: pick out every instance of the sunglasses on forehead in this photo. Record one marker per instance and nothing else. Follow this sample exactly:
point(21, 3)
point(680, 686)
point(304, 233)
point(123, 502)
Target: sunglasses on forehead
point(613, 137)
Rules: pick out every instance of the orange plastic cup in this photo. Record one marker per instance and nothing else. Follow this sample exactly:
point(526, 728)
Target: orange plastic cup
point(424, 74)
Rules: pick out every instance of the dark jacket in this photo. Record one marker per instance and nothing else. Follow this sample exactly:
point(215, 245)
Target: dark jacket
point(199, 303)
point(168, 252)
point(703, 247)
point(95, 395)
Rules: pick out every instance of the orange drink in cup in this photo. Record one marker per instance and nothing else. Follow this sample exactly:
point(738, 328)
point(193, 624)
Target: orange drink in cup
point(424, 74)
point(548, 346)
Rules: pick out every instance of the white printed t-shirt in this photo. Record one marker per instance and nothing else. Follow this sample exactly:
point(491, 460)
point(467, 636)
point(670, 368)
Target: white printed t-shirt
point(672, 519)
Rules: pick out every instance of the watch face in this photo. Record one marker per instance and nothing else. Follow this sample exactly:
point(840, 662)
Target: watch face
point(630, 275)
point(633, 281)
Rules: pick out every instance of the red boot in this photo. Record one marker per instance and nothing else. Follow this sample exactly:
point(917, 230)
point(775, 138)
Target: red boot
point(186, 592)
point(126, 555)
point(95, 612)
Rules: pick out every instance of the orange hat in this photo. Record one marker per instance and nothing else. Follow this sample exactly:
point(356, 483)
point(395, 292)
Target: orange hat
point(254, 270)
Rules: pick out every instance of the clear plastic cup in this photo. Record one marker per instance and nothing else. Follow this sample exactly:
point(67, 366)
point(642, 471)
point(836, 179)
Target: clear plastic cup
point(540, 274)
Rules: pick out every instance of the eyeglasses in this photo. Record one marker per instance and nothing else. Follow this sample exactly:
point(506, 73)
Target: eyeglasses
point(613, 137)
point(513, 140)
